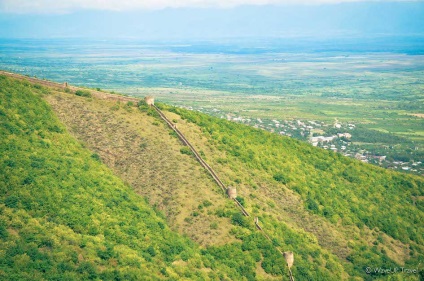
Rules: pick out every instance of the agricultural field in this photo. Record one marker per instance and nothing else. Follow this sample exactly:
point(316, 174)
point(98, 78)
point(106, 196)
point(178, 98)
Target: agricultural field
point(380, 93)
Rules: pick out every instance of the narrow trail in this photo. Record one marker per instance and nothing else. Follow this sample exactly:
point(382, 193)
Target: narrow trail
point(109, 96)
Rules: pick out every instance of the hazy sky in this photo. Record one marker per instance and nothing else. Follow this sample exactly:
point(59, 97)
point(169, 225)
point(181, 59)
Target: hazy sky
point(65, 6)
point(208, 19)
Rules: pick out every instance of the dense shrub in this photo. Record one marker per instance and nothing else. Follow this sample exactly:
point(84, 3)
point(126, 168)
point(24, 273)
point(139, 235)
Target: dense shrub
point(186, 150)
point(83, 93)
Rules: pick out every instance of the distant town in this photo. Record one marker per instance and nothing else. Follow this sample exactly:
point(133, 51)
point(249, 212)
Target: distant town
point(321, 134)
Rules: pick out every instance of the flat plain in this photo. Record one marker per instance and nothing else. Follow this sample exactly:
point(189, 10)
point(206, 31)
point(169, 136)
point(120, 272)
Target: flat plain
point(381, 93)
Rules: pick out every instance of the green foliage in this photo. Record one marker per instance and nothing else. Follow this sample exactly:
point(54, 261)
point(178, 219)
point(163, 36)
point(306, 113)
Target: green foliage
point(151, 251)
point(65, 216)
point(239, 219)
point(143, 107)
point(3, 230)
point(340, 189)
point(141, 103)
point(152, 112)
point(312, 205)
point(231, 255)
point(362, 134)
point(12, 200)
point(241, 201)
point(298, 160)
point(207, 203)
point(116, 107)
point(143, 146)
point(186, 150)
point(95, 156)
point(280, 177)
point(83, 93)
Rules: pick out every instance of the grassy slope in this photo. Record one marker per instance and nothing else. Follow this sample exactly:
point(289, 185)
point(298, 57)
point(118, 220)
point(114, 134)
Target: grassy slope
point(361, 213)
point(139, 148)
point(322, 243)
point(65, 216)
point(330, 241)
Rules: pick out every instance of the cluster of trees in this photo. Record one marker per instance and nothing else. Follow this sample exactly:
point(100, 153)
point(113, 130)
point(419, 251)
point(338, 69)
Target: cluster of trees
point(362, 134)
point(254, 247)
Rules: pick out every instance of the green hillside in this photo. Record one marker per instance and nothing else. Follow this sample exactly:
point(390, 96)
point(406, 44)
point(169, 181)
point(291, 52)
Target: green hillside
point(65, 216)
point(143, 151)
point(364, 214)
point(104, 190)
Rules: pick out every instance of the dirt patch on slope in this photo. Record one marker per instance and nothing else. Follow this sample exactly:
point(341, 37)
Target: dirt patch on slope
point(140, 149)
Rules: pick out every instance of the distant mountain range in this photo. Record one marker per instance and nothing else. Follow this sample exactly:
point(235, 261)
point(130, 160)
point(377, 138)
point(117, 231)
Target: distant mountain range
point(359, 19)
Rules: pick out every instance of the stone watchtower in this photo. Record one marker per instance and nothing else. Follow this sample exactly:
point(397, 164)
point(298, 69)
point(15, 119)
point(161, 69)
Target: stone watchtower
point(232, 192)
point(149, 100)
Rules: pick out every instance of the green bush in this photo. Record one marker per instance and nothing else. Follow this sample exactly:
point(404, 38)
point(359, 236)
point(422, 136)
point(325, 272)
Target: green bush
point(186, 150)
point(207, 203)
point(239, 219)
point(142, 103)
point(3, 230)
point(95, 156)
point(241, 200)
point(214, 225)
point(151, 251)
point(11, 201)
point(280, 177)
point(143, 145)
point(83, 93)
point(152, 112)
